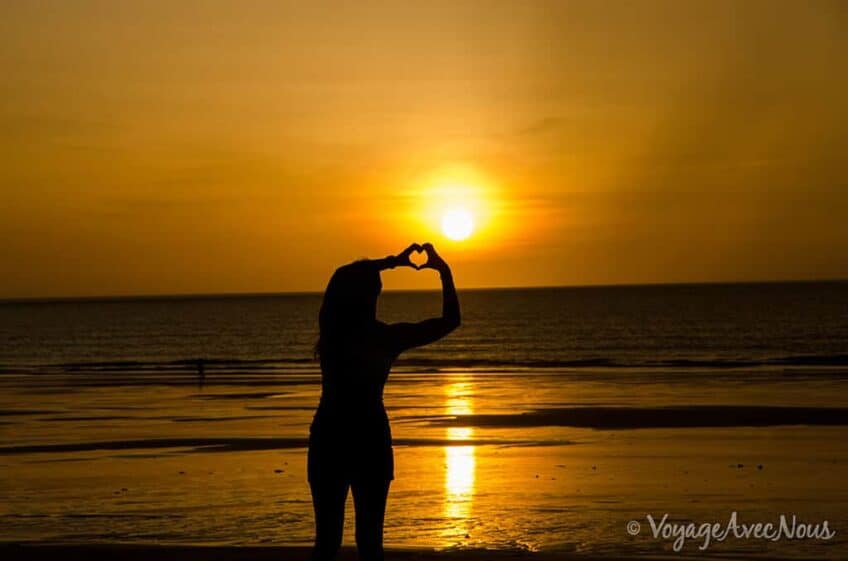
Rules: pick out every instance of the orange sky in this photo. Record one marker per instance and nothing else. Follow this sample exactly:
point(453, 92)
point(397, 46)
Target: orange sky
point(193, 147)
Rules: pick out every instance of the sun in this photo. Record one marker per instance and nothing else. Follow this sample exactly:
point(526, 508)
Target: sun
point(457, 204)
point(457, 224)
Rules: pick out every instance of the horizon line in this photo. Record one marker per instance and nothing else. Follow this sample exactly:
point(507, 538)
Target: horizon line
point(211, 295)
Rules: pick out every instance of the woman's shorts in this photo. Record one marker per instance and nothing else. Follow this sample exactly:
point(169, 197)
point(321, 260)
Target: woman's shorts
point(336, 458)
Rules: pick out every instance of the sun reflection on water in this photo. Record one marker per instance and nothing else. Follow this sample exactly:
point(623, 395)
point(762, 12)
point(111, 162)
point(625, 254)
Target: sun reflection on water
point(460, 464)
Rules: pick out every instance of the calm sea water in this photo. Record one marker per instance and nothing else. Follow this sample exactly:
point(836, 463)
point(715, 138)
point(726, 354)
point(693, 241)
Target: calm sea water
point(658, 326)
point(549, 420)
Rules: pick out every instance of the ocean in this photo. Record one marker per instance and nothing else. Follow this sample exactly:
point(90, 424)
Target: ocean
point(550, 419)
point(682, 326)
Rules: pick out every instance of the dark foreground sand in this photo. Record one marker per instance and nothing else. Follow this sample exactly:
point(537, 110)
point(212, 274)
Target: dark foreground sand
point(234, 553)
point(15, 552)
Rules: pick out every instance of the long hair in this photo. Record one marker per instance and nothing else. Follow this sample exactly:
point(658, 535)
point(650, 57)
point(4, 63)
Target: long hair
point(348, 308)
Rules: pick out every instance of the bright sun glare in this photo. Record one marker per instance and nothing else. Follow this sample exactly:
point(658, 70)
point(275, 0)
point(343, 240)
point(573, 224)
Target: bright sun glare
point(457, 224)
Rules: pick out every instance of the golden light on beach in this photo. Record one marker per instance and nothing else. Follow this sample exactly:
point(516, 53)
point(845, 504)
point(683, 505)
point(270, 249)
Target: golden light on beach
point(457, 224)
point(460, 461)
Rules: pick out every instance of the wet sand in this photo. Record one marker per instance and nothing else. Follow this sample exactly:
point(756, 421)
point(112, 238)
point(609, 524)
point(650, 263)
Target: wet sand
point(692, 416)
point(536, 465)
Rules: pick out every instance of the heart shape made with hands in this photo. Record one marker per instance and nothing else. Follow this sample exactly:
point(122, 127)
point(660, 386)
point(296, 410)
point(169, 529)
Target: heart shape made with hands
point(418, 258)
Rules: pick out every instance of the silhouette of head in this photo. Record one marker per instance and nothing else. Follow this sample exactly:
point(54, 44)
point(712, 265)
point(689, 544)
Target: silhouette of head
point(349, 306)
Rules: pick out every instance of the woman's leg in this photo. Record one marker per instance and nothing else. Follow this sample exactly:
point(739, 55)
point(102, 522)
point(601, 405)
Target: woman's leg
point(328, 501)
point(369, 501)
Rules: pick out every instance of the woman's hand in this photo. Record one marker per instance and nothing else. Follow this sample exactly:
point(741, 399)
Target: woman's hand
point(402, 258)
point(434, 260)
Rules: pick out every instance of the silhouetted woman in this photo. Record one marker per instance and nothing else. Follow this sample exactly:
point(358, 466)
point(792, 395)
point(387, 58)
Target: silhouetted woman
point(350, 442)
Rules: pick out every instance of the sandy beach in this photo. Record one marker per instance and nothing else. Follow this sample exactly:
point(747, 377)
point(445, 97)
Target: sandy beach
point(485, 468)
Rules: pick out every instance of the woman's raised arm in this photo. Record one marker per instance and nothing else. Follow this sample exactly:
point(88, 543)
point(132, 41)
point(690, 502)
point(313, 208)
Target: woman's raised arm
point(399, 260)
point(408, 335)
